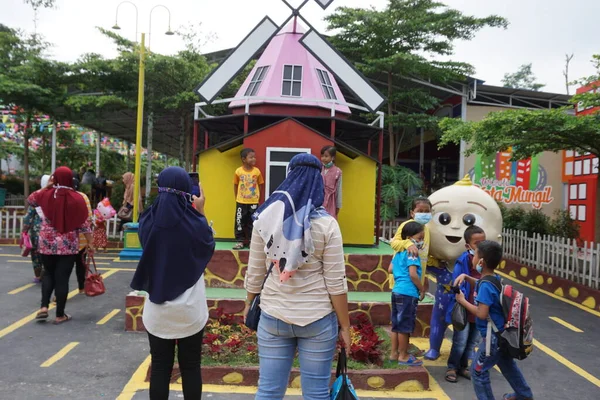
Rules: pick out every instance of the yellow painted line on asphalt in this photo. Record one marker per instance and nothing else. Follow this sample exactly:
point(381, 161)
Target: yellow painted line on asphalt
point(138, 382)
point(23, 321)
point(575, 368)
point(22, 288)
point(580, 306)
point(61, 353)
point(116, 269)
point(108, 317)
point(566, 324)
point(125, 261)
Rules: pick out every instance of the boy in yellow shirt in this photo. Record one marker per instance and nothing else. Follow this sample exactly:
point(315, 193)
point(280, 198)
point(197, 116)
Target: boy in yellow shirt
point(247, 183)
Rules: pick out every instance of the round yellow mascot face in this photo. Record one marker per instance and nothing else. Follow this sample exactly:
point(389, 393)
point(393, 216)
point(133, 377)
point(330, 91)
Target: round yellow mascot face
point(456, 207)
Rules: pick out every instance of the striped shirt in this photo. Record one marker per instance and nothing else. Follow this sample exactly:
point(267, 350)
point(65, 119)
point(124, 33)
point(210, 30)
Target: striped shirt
point(305, 297)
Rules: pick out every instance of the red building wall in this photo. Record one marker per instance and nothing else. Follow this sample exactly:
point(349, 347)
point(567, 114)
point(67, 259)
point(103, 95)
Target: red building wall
point(288, 133)
point(580, 172)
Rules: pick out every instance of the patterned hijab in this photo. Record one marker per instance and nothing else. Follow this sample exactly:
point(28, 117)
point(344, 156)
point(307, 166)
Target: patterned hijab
point(284, 220)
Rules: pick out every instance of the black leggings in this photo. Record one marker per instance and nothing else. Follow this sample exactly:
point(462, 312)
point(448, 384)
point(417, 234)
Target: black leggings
point(80, 268)
point(57, 271)
point(189, 352)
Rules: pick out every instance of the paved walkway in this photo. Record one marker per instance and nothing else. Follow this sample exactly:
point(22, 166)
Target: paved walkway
point(91, 357)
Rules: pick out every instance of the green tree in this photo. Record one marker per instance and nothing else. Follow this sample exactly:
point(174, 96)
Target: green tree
point(30, 80)
point(9, 149)
point(403, 41)
point(523, 78)
point(397, 184)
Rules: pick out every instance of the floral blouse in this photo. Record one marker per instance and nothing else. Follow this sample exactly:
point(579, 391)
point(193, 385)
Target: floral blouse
point(52, 242)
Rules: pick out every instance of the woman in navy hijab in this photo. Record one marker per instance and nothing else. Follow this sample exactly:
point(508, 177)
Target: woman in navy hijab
point(178, 244)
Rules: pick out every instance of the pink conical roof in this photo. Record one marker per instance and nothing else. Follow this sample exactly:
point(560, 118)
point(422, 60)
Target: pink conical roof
point(285, 49)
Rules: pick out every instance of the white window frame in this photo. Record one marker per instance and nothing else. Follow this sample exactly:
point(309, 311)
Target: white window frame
point(327, 88)
point(292, 80)
point(285, 164)
point(257, 80)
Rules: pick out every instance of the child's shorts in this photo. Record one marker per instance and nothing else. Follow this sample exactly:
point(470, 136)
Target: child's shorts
point(404, 313)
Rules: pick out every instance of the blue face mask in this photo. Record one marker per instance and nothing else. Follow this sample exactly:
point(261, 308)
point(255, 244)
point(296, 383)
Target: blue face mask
point(472, 252)
point(479, 268)
point(328, 165)
point(422, 218)
point(418, 244)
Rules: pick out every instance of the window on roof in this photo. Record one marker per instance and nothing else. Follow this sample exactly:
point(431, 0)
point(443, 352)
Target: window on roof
point(292, 81)
point(326, 84)
point(257, 79)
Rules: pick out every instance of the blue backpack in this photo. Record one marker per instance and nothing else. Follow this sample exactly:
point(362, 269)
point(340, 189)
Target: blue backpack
point(342, 388)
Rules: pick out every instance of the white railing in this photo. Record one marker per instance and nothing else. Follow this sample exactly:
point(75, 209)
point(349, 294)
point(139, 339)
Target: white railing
point(388, 229)
point(558, 256)
point(11, 224)
point(555, 255)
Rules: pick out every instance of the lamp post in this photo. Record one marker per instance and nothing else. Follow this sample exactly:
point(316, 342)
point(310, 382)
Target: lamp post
point(140, 107)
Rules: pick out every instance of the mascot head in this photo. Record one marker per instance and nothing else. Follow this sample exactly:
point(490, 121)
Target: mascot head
point(454, 209)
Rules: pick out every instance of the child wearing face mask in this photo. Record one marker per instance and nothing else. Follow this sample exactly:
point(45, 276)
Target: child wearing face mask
point(465, 341)
point(420, 213)
point(408, 290)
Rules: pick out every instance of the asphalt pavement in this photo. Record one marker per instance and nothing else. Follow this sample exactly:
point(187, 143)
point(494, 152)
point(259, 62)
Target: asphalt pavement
point(92, 357)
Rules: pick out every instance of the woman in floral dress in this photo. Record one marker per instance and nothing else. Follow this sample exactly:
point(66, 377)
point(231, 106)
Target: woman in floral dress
point(65, 216)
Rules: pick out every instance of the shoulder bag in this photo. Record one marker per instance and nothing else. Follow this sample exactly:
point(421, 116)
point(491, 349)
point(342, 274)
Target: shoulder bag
point(342, 388)
point(254, 312)
point(94, 284)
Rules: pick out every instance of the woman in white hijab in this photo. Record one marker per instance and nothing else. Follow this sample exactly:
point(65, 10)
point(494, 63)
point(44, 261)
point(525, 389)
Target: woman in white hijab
point(32, 223)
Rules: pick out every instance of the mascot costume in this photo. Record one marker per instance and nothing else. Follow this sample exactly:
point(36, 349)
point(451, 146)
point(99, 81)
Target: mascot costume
point(454, 208)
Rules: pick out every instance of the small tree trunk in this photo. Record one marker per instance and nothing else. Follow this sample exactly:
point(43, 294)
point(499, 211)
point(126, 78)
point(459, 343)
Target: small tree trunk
point(390, 124)
point(26, 157)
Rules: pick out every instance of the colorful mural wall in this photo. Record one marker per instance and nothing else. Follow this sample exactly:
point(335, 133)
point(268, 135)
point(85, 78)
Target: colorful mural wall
point(513, 182)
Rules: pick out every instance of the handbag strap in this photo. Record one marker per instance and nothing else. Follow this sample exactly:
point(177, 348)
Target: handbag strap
point(267, 276)
point(87, 264)
point(342, 364)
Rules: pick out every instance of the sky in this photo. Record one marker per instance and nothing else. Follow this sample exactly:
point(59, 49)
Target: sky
point(540, 31)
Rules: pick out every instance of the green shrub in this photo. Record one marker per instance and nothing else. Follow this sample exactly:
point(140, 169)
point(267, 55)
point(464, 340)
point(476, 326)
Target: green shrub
point(400, 185)
point(563, 225)
point(513, 217)
point(16, 185)
point(535, 221)
point(116, 196)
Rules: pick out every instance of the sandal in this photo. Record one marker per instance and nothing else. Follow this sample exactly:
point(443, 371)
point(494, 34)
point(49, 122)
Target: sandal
point(451, 376)
point(465, 373)
point(411, 362)
point(41, 315)
point(238, 246)
point(67, 319)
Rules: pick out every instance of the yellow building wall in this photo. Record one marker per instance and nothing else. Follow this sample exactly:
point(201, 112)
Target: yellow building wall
point(357, 216)
point(356, 219)
point(216, 170)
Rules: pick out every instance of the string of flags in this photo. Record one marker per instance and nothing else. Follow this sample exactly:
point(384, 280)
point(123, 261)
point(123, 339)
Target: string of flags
point(12, 127)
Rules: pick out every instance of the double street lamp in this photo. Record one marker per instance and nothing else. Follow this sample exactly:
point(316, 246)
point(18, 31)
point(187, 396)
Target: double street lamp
point(140, 107)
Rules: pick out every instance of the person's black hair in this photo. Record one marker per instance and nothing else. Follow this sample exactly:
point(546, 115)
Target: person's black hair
point(331, 150)
point(472, 230)
point(420, 200)
point(244, 153)
point(75, 184)
point(491, 252)
point(411, 229)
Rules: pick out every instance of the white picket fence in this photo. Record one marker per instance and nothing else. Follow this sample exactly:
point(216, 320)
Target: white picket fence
point(11, 224)
point(555, 255)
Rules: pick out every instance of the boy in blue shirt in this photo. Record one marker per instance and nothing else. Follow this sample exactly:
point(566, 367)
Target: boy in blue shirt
point(465, 341)
point(488, 306)
point(408, 290)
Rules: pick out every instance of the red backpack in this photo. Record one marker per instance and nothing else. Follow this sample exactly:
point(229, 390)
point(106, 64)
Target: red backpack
point(517, 337)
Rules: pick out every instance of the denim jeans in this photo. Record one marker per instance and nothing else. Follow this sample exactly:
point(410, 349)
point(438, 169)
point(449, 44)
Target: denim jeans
point(463, 344)
point(277, 344)
point(480, 372)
